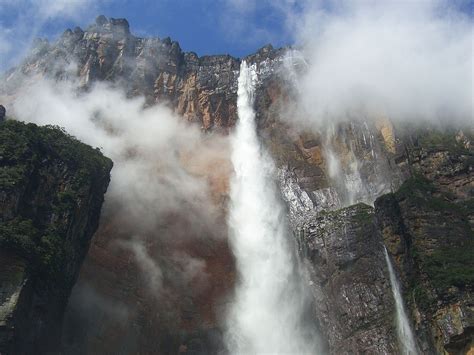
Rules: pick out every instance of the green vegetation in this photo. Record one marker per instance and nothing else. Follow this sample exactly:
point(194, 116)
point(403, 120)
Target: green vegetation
point(19, 235)
point(436, 139)
point(44, 251)
point(51, 253)
point(45, 173)
point(422, 192)
point(364, 214)
point(451, 263)
point(467, 206)
point(11, 176)
point(416, 186)
point(451, 266)
point(422, 297)
point(22, 145)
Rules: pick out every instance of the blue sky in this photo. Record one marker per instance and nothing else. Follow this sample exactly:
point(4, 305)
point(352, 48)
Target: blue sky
point(203, 25)
point(236, 27)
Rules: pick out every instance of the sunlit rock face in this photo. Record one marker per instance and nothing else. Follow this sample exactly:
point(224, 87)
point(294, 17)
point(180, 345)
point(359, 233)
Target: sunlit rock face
point(201, 89)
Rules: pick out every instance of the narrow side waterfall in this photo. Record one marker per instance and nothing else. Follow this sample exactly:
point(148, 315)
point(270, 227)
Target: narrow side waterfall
point(405, 334)
point(266, 316)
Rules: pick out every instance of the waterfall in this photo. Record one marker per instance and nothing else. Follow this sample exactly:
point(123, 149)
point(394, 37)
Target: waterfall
point(405, 334)
point(266, 315)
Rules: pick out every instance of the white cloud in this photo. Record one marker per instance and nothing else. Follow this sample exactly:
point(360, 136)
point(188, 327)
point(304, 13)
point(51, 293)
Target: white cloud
point(63, 8)
point(27, 18)
point(5, 42)
point(407, 60)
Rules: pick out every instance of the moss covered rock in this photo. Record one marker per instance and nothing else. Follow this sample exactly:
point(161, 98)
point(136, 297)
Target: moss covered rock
point(51, 192)
point(428, 232)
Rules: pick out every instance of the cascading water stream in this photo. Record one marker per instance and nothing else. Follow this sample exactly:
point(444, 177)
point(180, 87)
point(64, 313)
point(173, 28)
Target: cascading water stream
point(266, 316)
point(405, 334)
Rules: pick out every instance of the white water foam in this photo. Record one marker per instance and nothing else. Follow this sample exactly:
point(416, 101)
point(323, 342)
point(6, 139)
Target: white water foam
point(266, 316)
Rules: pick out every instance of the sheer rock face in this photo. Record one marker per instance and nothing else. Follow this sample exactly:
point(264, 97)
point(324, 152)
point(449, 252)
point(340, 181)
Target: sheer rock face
point(349, 279)
point(433, 251)
point(51, 193)
point(427, 227)
point(447, 160)
point(114, 309)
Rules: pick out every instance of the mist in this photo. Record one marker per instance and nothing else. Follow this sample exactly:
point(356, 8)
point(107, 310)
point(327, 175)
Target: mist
point(149, 146)
point(410, 61)
point(27, 19)
point(163, 215)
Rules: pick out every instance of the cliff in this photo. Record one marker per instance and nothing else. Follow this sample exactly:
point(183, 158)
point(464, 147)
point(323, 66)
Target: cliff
point(425, 223)
point(427, 227)
point(51, 192)
point(201, 89)
point(349, 280)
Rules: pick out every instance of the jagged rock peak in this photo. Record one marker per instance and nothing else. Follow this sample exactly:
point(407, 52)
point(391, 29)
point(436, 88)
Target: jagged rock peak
point(267, 52)
point(266, 49)
point(73, 35)
point(39, 43)
point(102, 24)
point(101, 20)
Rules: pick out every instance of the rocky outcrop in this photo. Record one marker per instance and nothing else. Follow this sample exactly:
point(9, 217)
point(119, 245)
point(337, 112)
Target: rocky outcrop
point(51, 192)
point(446, 158)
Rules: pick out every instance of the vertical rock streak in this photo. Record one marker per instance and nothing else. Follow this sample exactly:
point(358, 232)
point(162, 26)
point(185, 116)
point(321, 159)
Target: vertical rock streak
point(405, 334)
point(266, 314)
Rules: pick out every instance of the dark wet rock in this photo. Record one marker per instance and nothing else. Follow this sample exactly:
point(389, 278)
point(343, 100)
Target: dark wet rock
point(343, 252)
point(3, 113)
point(51, 192)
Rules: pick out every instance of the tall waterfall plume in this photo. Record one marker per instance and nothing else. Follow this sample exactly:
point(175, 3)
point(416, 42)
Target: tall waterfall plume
point(266, 316)
point(404, 331)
